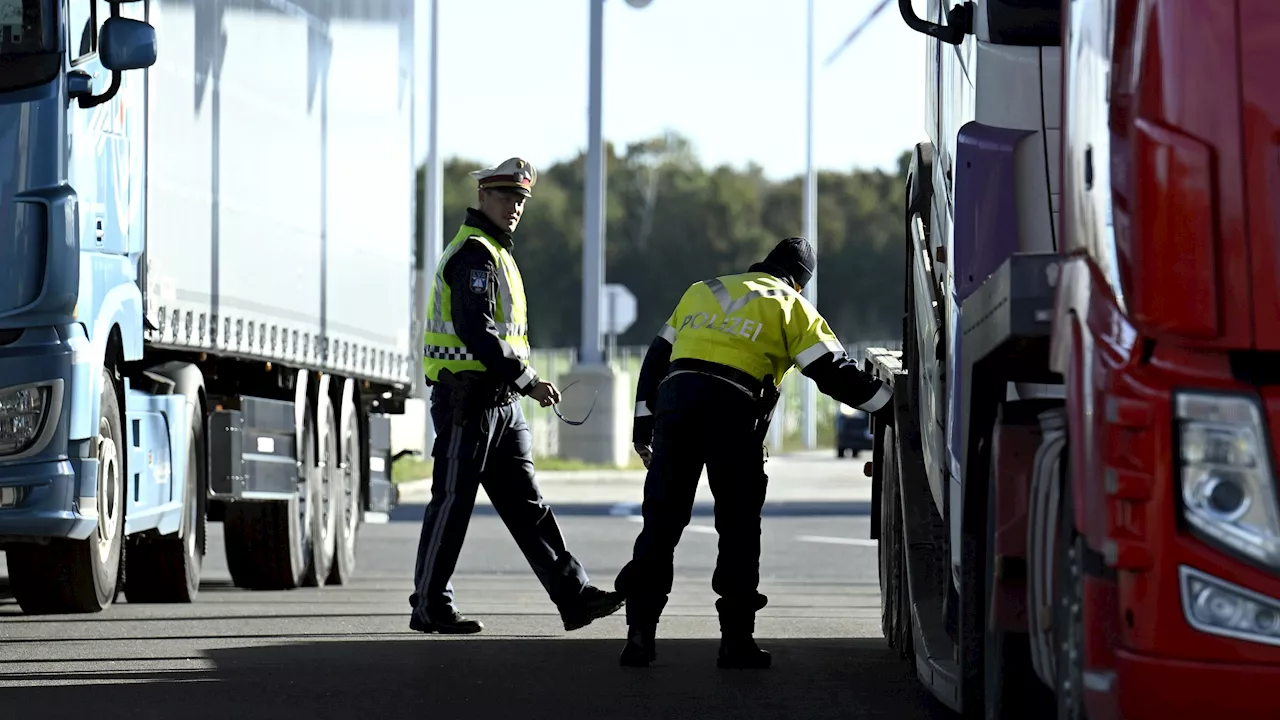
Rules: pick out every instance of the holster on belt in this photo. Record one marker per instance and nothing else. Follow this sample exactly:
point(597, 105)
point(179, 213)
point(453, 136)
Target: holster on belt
point(459, 395)
point(766, 403)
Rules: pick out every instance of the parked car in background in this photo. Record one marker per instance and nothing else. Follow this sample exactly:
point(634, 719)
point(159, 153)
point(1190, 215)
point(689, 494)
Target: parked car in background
point(853, 432)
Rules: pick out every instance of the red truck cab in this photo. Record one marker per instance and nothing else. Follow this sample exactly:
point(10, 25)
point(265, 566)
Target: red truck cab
point(1167, 333)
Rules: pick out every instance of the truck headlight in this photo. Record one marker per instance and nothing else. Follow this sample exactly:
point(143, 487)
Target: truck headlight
point(847, 411)
point(1218, 607)
point(22, 415)
point(1228, 488)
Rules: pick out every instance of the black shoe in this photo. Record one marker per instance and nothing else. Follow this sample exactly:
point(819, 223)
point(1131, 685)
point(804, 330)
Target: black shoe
point(450, 624)
point(742, 653)
point(592, 605)
point(641, 648)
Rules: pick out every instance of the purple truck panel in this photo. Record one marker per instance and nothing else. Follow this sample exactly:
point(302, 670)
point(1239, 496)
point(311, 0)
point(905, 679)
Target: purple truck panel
point(986, 215)
point(984, 234)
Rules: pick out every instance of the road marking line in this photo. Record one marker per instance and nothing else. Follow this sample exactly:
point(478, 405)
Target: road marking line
point(861, 542)
point(705, 529)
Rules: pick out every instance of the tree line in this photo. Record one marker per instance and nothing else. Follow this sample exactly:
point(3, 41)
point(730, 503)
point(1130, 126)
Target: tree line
point(670, 222)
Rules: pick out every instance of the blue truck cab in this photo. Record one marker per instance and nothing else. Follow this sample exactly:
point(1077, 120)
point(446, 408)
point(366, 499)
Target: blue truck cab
point(140, 396)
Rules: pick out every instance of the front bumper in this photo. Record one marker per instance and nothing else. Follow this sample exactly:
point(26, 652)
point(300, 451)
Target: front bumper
point(1154, 687)
point(42, 493)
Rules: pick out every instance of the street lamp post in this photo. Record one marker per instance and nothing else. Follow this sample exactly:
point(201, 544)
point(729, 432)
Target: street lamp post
point(429, 252)
point(593, 201)
point(809, 399)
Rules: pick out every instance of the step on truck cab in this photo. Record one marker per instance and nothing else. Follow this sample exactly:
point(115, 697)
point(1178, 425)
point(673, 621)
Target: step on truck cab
point(206, 308)
point(1076, 498)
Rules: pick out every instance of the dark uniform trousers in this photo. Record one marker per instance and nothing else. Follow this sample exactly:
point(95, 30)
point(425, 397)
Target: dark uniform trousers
point(701, 421)
point(493, 447)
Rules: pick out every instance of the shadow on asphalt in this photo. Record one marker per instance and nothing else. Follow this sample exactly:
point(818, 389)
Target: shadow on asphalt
point(472, 678)
point(413, 512)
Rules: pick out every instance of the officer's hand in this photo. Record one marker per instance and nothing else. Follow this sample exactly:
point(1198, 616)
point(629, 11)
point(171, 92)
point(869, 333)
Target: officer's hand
point(546, 393)
point(645, 452)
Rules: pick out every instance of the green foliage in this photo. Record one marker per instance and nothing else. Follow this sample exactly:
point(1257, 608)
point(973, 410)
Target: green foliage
point(671, 222)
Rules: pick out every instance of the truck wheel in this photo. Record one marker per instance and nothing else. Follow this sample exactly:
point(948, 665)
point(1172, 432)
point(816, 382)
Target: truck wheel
point(895, 616)
point(1068, 609)
point(349, 502)
point(166, 568)
point(325, 506)
point(268, 543)
point(1011, 688)
point(76, 576)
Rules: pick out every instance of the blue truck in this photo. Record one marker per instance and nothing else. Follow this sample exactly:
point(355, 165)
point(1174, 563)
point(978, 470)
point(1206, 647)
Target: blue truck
point(207, 308)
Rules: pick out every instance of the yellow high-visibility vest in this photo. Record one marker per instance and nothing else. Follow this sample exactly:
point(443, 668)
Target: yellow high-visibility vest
point(752, 322)
point(442, 348)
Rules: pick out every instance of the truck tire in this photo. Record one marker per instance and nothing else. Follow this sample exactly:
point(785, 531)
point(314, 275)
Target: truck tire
point(78, 576)
point(1011, 688)
point(1068, 607)
point(895, 606)
point(325, 507)
point(268, 543)
point(349, 505)
point(166, 568)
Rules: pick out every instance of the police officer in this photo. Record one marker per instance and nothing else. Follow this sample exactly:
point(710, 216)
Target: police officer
point(475, 356)
point(705, 396)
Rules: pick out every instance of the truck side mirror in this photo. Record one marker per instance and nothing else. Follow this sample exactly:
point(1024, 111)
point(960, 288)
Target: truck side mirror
point(126, 44)
point(959, 22)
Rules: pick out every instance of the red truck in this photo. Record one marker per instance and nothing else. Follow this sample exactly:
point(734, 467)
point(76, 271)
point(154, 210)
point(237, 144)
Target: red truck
point(1076, 499)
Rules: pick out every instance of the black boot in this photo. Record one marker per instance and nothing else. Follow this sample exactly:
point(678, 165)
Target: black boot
point(641, 648)
point(739, 651)
point(450, 623)
point(592, 605)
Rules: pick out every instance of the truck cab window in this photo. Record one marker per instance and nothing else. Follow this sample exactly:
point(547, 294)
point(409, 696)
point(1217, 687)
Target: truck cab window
point(1025, 22)
point(84, 17)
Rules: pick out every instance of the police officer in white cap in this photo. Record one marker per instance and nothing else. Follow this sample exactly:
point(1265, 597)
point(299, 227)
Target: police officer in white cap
point(476, 359)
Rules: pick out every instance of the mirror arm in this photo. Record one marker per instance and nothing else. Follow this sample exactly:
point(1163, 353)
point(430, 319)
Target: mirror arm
point(94, 100)
point(959, 22)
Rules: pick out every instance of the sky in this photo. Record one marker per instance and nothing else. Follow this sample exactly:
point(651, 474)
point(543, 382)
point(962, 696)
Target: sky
point(727, 74)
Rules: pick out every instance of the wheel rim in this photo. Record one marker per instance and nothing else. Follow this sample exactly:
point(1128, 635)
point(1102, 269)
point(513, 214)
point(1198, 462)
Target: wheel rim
point(108, 490)
point(305, 476)
point(193, 507)
point(350, 491)
point(326, 489)
point(1072, 643)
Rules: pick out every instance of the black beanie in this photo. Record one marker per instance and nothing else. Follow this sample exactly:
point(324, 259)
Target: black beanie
point(796, 258)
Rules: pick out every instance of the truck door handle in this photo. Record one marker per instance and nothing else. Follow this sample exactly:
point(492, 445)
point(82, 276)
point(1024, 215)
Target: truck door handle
point(99, 231)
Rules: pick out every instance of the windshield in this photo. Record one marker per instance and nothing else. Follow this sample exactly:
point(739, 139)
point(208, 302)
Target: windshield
point(22, 28)
point(28, 44)
point(1024, 22)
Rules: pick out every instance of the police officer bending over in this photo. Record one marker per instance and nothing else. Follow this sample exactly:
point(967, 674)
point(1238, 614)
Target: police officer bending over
point(475, 356)
point(705, 396)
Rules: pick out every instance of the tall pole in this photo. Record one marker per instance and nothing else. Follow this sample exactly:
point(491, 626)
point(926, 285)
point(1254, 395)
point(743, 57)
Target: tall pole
point(432, 222)
point(593, 202)
point(810, 398)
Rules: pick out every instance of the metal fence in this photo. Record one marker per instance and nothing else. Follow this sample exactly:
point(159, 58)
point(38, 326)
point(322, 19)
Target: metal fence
point(552, 364)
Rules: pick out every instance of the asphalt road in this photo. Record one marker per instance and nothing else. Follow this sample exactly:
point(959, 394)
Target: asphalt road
point(346, 652)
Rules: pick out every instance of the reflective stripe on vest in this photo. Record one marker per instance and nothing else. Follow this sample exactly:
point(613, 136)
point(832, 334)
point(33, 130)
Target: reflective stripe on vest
point(752, 322)
point(441, 347)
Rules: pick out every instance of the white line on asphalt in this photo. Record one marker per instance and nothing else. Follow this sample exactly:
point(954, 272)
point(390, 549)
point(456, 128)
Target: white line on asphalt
point(861, 542)
point(705, 529)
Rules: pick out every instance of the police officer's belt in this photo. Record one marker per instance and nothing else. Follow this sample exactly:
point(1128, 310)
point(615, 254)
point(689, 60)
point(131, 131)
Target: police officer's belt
point(745, 382)
point(476, 390)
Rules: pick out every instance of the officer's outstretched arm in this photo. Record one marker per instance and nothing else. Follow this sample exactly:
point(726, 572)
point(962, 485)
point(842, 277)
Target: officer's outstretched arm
point(472, 316)
point(821, 357)
point(656, 362)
